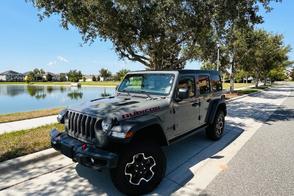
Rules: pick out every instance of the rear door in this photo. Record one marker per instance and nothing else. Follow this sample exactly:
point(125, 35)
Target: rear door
point(204, 91)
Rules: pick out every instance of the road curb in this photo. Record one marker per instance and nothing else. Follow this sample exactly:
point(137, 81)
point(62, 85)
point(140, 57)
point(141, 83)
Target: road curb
point(242, 96)
point(27, 159)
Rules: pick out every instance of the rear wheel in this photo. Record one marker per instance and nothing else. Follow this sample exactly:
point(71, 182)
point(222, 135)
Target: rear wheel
point(216, 129)
point(140, 169)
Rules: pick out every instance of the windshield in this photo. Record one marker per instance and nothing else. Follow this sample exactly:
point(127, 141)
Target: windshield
point(159, 84)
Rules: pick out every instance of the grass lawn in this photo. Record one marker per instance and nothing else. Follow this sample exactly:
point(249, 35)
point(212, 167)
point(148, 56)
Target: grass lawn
point(28, 115)
point(237, 85)
point(105, 83)
point(24, 142)
point(244, 92)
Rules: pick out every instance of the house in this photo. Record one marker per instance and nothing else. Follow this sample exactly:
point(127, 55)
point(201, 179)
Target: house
point(49, 76)
point(88, 78)
point(11, 76)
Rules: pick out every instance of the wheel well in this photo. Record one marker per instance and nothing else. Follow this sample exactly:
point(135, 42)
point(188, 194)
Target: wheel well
point(223, 107)
point(152, 133)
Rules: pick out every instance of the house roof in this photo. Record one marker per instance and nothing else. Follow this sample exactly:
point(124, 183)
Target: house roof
point(10, 72)
point(26, 73)
point(52, 74)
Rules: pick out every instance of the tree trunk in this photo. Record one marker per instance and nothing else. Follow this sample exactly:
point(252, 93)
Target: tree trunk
point(232, 77)
point(257, 80)
point(265, 80)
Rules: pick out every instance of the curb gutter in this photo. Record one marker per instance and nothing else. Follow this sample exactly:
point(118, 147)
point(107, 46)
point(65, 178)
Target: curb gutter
point(22, 161)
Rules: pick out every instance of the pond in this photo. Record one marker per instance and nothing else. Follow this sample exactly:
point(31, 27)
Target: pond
point(20, 98)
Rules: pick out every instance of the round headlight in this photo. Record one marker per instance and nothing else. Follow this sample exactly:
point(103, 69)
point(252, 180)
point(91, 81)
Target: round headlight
point(61, 115)
point(106, 125)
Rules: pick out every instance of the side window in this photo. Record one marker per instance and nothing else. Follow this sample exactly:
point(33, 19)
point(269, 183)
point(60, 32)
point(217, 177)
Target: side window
point(188, 82)
point(203, 82)
point(216, 83)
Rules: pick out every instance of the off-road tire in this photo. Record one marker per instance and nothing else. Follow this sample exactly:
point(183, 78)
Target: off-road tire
point(125, 177)
point(216, 129)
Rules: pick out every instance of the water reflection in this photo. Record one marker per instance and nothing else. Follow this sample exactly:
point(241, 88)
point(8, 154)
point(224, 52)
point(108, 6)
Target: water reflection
point(17, 90)
point(49, 89)
point(75, 95)
point(40, 92)
point(36, 91)
point(16, 98)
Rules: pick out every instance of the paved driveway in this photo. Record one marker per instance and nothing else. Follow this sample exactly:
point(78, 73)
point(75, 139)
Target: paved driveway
point(192, 163)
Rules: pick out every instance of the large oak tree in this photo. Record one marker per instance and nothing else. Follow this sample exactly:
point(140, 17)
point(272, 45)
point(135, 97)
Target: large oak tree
point(160, 34)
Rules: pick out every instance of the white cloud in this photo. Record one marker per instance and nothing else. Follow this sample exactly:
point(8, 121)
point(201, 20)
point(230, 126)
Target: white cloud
point(51, 63)
point(57, 60)
point(62, 59)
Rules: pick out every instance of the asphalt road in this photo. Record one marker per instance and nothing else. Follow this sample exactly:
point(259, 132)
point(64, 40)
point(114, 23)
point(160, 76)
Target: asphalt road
point(264, 166)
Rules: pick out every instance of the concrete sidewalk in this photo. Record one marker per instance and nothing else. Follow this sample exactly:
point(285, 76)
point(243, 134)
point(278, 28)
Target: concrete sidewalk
point(27, 124)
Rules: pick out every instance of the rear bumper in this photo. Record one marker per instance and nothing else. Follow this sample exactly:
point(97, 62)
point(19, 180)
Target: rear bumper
point(85, 154)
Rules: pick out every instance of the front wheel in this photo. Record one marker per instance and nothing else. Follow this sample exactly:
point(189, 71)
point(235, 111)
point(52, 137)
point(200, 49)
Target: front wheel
point(140, 169)
point(216, 129)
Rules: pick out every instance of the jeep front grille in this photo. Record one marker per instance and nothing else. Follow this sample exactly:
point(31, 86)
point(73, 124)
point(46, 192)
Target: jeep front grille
point(81, 126)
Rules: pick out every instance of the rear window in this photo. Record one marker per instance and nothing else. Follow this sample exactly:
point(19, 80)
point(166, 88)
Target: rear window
point(216, 83)
point(204, 85)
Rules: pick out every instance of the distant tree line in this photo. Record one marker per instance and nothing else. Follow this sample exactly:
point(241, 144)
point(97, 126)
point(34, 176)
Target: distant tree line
point(38, 75)
point(249, 52)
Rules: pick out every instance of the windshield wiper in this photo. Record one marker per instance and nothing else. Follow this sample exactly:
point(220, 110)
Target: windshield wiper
point(147, 93)
point(127, 92)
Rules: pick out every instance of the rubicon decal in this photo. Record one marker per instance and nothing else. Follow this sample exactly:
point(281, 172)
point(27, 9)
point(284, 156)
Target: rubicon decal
point(141, 112)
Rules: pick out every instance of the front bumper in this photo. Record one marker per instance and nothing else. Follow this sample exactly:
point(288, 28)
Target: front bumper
point(86, 154)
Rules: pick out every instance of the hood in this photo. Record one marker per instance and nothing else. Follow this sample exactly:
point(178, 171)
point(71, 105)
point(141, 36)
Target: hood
point(121, 107)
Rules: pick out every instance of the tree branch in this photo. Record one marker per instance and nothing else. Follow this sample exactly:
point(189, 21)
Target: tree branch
point(135, 57)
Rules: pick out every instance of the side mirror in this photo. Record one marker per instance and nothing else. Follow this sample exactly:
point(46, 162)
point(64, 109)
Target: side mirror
point(183, 93)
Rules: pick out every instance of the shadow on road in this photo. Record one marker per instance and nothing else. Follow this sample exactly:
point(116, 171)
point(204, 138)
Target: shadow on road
point(180, 157)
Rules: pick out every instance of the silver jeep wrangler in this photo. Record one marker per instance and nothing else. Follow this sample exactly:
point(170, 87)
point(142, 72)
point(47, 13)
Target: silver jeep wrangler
point(151, 109)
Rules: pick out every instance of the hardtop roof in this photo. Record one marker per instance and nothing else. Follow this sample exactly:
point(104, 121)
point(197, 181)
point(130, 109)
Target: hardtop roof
point(183, 71)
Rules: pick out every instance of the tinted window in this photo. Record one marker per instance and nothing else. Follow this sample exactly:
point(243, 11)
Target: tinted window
point(216, 83)
point(188, 82)
point(203, 82)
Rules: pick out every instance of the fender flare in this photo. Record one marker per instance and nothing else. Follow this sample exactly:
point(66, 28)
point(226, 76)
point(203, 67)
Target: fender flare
point(213, 108)
point(137, 125)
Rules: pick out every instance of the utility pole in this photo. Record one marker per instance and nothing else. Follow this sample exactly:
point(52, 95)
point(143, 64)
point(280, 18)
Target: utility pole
point(217, 61)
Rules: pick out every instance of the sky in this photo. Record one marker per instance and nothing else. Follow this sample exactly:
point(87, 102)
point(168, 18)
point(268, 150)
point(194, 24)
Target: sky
point(26, 43)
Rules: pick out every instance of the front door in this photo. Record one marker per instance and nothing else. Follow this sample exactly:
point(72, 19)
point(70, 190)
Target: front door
point(186, 111)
